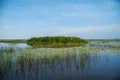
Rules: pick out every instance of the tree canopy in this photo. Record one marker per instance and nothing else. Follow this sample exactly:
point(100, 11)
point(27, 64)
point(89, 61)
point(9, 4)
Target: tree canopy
point(55, 41)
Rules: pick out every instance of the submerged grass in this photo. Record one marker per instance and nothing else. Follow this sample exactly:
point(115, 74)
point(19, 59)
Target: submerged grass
point(41, 53)
point(44, 55)
point(32, 58)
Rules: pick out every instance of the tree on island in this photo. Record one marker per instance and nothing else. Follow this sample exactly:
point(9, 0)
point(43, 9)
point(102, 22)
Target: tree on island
point(55, 41)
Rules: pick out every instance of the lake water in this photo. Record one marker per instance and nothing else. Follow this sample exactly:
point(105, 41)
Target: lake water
point(76, 64)
point(7, 47)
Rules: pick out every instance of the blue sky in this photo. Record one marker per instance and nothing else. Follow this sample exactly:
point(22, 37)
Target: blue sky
point(89, 19)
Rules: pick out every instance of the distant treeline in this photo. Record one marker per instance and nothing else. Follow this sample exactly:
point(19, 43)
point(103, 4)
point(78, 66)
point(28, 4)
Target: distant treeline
point(105, 40)
point(55, 41)
point(13, 40)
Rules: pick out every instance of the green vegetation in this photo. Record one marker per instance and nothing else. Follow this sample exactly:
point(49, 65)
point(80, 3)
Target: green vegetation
point(104, 40)
point(13, 40)
point(30, 58)
point(55, 41)
point(41, 57)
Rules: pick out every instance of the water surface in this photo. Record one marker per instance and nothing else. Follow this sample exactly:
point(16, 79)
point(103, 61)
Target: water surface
point(80, 63)
point(13, 47)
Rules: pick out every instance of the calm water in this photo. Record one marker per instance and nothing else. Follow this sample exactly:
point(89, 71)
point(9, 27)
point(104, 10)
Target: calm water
point(101, 65)
point(7, 47)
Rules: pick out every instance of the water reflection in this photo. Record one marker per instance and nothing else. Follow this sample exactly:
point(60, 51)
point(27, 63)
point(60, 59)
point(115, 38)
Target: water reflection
point(103, 44)
point(12, 47)
point(71, 66)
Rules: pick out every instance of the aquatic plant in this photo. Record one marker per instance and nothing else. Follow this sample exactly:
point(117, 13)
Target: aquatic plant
point(41, 61)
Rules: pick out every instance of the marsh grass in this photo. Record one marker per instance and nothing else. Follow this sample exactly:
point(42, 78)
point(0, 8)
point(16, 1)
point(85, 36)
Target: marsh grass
point(40, 60)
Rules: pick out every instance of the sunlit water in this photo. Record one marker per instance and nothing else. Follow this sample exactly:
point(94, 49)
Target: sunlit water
point(101, 65)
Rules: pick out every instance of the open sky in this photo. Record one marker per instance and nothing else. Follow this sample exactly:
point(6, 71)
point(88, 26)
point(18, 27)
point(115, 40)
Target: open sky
point(89, 19)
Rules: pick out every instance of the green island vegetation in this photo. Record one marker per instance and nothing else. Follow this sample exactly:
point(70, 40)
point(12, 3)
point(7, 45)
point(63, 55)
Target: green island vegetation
point(13, 40)
point(88, 40)
point(55, 41)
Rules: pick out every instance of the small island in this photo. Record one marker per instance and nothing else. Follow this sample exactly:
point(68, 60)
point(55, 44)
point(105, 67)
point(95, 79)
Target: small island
point(55, 41)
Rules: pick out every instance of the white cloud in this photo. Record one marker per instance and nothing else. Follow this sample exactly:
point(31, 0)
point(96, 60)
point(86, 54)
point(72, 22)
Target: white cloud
point(92, 32)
